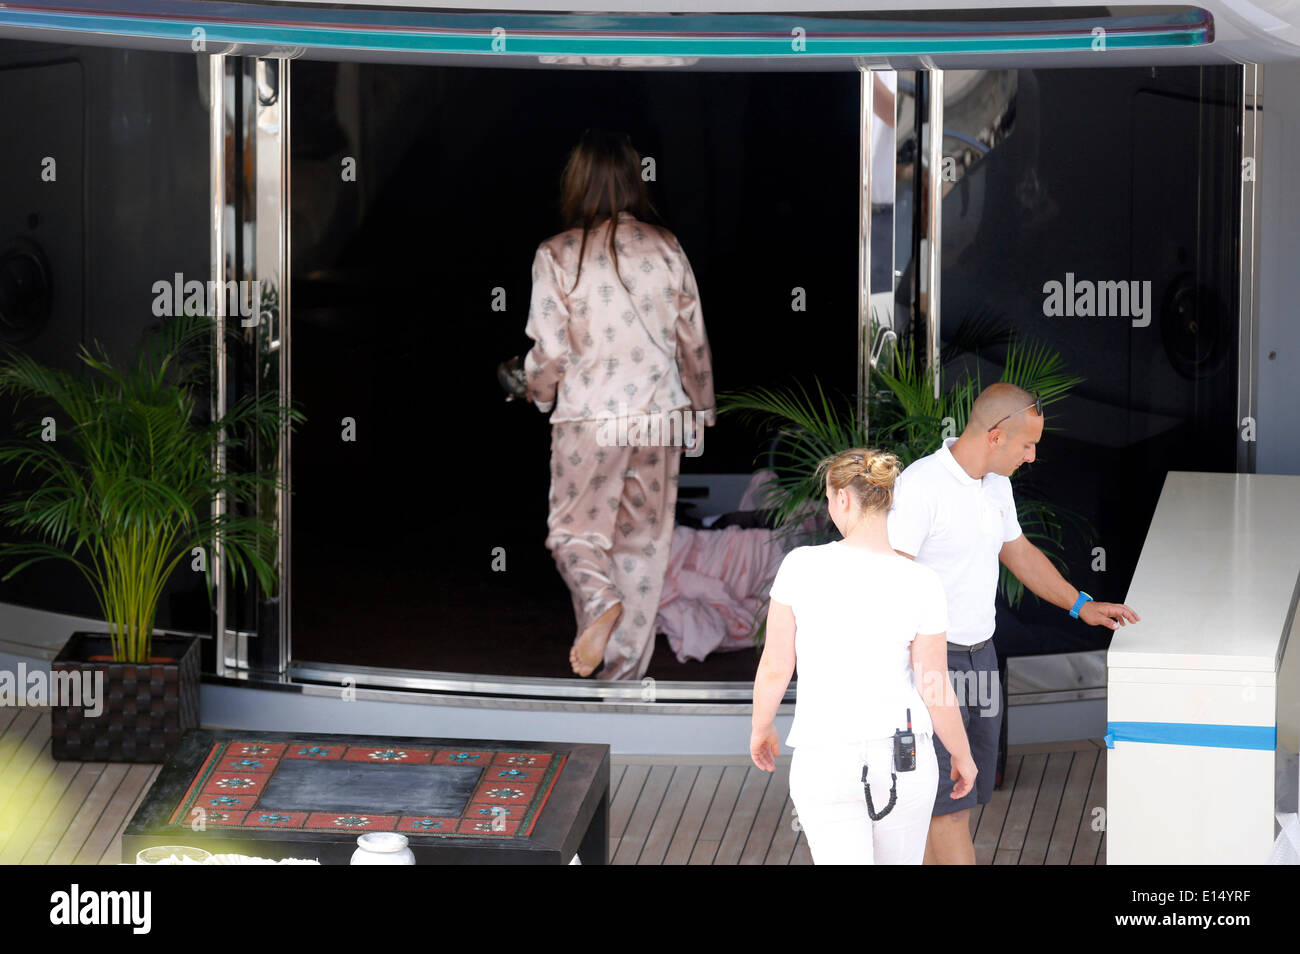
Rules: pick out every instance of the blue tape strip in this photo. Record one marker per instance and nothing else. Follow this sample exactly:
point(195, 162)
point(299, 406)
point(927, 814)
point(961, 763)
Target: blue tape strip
point(1261, 737)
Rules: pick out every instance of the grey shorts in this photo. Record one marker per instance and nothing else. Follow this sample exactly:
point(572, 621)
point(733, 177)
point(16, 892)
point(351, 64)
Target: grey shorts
point(979, 693)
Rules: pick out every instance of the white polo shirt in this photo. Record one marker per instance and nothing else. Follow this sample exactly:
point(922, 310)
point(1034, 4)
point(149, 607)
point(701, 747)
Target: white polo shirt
point(856, 614)
point(956, 525)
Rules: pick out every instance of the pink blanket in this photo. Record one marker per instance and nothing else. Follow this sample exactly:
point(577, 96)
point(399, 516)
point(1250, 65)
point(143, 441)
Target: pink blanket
point(716, 585)
point(715, 589)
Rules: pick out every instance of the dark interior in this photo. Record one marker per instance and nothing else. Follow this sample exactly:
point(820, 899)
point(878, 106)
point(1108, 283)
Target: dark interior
point(392, 324)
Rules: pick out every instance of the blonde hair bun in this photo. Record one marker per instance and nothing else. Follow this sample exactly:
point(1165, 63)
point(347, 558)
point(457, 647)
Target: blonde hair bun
point(881, 469)
point(867, 474)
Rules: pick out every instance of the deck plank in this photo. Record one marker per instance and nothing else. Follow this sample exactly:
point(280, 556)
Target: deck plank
point(643, 815)
point(625, 795)
point(113, 853)
point(994, 814)
point(38, 795)
point(1072, 808)
point(616, 770)
point(1021, 808)
point(787, 833)
point(1047, 748)
point(100, 843)
point(62, 814)
point(719, 815)
point(623, 803)
point(87, 816)
point(28, 767)
point(670, 814)
point(802, 855)
point(1087, 842)
point(693, 815)
point(15, 738)
point(741, 823)
point(1046, 808)
point(769, 817)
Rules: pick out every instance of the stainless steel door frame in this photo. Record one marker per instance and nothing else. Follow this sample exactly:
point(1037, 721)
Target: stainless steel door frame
point(930, 191)
point(928, 225)
point(249, 222)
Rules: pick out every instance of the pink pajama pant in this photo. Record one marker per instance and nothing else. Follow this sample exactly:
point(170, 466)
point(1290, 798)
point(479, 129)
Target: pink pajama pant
point(611, 525)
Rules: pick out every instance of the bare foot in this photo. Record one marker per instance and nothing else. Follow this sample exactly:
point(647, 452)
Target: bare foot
point(588, 650)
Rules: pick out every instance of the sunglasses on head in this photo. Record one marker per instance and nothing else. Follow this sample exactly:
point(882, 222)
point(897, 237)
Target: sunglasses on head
point(1037, 406)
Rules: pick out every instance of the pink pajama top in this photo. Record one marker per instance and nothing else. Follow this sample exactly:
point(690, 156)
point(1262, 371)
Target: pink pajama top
point(601, 351)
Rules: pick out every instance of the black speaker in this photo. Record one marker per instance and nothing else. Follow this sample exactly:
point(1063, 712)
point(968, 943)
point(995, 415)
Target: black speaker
point(26, 291)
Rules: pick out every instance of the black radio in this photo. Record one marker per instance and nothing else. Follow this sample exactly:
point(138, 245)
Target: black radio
point(905, 748)
point(904, 761)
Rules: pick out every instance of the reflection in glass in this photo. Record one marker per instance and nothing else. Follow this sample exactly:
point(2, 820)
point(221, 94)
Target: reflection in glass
point(1119, 187)
point(883, 163)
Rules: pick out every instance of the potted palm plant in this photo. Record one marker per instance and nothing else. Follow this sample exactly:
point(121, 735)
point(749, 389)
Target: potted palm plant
point(907, 419)
point(126, 465)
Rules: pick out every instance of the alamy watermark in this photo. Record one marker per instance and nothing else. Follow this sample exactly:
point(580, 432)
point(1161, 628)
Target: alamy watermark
point(675, 428)
point(180, 297)
point(1084, 298)
point(75, 906)
point(39, 687)
point(977, 689)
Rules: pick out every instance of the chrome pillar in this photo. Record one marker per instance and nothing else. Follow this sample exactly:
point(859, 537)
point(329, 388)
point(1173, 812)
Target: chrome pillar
point(930, 198)
point(250, 243)
point(864, 241)
point(270, 338)
point(218, 164)
point(1248, 276)
point(877, 210)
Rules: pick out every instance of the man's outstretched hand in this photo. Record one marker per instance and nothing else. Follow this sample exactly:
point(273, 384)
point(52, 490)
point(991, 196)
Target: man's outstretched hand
point(1110, 615)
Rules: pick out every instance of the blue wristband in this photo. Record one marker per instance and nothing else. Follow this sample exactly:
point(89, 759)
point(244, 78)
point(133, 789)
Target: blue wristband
point(1083, 598)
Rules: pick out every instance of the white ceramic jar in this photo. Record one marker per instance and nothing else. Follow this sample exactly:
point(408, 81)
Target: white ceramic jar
point(172, 855)
point(383, 848)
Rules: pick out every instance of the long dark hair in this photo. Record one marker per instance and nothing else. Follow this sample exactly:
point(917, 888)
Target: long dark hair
point(601, 178)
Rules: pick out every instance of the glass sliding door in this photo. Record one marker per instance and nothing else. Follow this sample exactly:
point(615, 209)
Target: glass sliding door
point(103, 195)
point(1094, 213)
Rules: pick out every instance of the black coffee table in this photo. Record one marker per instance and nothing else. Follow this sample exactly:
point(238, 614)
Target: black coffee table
point(309, 795)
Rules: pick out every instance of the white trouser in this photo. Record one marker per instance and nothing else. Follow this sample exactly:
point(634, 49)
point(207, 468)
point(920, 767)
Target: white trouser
point(826, 788)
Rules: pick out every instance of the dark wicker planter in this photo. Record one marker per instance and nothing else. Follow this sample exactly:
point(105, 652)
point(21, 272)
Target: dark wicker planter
point(146, 706)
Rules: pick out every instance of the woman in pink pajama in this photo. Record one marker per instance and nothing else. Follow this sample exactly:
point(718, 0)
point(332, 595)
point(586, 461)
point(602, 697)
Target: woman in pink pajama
point(622, 363)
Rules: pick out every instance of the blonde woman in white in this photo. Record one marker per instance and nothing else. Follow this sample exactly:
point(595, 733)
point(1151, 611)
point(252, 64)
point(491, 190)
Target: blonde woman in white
point(867, 627)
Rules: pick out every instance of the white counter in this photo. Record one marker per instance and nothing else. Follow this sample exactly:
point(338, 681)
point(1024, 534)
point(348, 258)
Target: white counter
point(1192, 690)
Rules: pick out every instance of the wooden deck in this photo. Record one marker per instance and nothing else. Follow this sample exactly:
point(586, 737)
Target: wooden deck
point(672, 810)
point(61, 813)
point(724, 811)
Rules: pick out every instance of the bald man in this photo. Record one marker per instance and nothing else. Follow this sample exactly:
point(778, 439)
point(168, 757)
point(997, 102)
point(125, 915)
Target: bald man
point(954, 512)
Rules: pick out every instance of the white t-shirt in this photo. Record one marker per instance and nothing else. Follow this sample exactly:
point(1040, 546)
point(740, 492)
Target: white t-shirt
point(855, 614)
point(955, 524)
